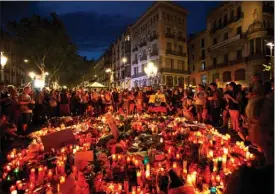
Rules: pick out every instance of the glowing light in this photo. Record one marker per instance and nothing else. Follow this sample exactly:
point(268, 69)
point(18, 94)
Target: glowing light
point(4, 59)
point(32, 75)
point(39, 83)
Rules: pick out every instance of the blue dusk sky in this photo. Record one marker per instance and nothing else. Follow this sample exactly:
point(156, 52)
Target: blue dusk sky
point(94, 25)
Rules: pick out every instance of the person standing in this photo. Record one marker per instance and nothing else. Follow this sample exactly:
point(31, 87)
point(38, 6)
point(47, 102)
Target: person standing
point(64, 108)
point(214, 103)
point(200, 101)
point(26, 107)
point(115, 99)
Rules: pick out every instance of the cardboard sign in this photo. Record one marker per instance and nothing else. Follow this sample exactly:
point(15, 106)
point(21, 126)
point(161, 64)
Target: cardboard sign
point(58, 139)
point(112, 125)
point(82, 159)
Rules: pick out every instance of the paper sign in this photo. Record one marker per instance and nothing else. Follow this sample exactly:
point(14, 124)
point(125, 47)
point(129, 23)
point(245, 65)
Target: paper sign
point(82, 159)
point(112, 125)
point(58, 139)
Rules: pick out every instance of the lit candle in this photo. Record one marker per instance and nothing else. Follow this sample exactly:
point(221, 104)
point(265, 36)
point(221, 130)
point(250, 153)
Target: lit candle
point(175, 165)
point(184, 165)
point(119, 157)
point(210, 154)
point(128, 160)
point(178, 156)
point(50, 174)
point(147, 166)
point(194, 177)
point(225, 151)
point(215, 160)
point(147, 174)
point(12, 188)
point(161, 140)
point(114, 157)
point(218, 178)
point(138, 177)
point(62, 179)
point(189, 179)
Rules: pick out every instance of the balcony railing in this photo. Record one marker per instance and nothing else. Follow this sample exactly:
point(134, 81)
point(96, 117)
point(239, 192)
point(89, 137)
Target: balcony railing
point(235, 19)
point(154, 53)
point(170, 52)
point(168, 35)
point(138, 75)
point(225, 42)
point(256, 56)
point(169, 70)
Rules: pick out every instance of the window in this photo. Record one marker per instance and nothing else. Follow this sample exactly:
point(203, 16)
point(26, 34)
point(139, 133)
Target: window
point(181, 64)
point(142, 66)
point(240, 74)
point(227, 76)
point(251, 47)
point(193, 57)
point(180, 49)
point(215, 25)
point(258, 45)
point(135, 70)
point(225, 36)
point(225, 20)
point(193, 46)
point(225, 59)
point(193, 67)
point(232, 15)
point(168, 30)
point(169, 80)
point(239, 12)
point(220, 22)
point(239, 30)
point(214, 61)
point(204, 79)
point(203, 65)
point(202, 54)
point(202, 43)
point(180, 33)
point(169, 46)
point(239, 54)
point(169, 63)
point(214, 41)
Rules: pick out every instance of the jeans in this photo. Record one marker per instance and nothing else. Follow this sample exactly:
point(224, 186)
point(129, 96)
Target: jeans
point(235, 115)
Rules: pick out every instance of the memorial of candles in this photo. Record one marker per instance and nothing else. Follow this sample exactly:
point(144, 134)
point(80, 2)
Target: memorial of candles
point(134, 163)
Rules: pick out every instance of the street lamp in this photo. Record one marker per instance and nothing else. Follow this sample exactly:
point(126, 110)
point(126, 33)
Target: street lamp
point(151, 70)
point(46, 73)
point(108, 70)
point(32, 75)
point(124, 60)
point(269, 66)
point(3, 61)
point(26, 60)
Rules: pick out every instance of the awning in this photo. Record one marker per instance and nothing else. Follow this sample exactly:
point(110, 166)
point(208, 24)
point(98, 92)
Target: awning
point(96, 85)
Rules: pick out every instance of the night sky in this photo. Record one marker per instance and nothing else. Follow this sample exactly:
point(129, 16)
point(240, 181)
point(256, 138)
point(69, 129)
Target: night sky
point(93, 26)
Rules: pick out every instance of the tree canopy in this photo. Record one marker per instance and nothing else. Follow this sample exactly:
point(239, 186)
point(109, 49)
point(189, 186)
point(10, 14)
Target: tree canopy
point(45, 42)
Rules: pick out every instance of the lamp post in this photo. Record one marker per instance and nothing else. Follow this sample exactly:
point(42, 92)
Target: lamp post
point(3, 62)
point(151, 71)
point(269, 67)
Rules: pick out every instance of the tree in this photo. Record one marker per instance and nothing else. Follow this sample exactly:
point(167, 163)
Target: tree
point(44, 41)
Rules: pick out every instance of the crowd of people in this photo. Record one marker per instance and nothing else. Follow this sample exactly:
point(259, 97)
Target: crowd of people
point(249, 112)
point(221, 107)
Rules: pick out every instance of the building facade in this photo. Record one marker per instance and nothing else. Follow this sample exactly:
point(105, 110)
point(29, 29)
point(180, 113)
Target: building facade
point(159, 36)
point(100, 71)
point(121, 61)
point(13, 72)
point(234, 45)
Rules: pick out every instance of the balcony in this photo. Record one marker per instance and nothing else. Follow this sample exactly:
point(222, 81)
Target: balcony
point(138, 75)
point(238, 61)
point(170, 52)
point(154, 53)
point(182, 39)
point(226, 42)
point(235, 19)
point(153, 37)
point(143, 58)
point(135, 49)
point(169, 70)
point(168, 35)
point(143, 44)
